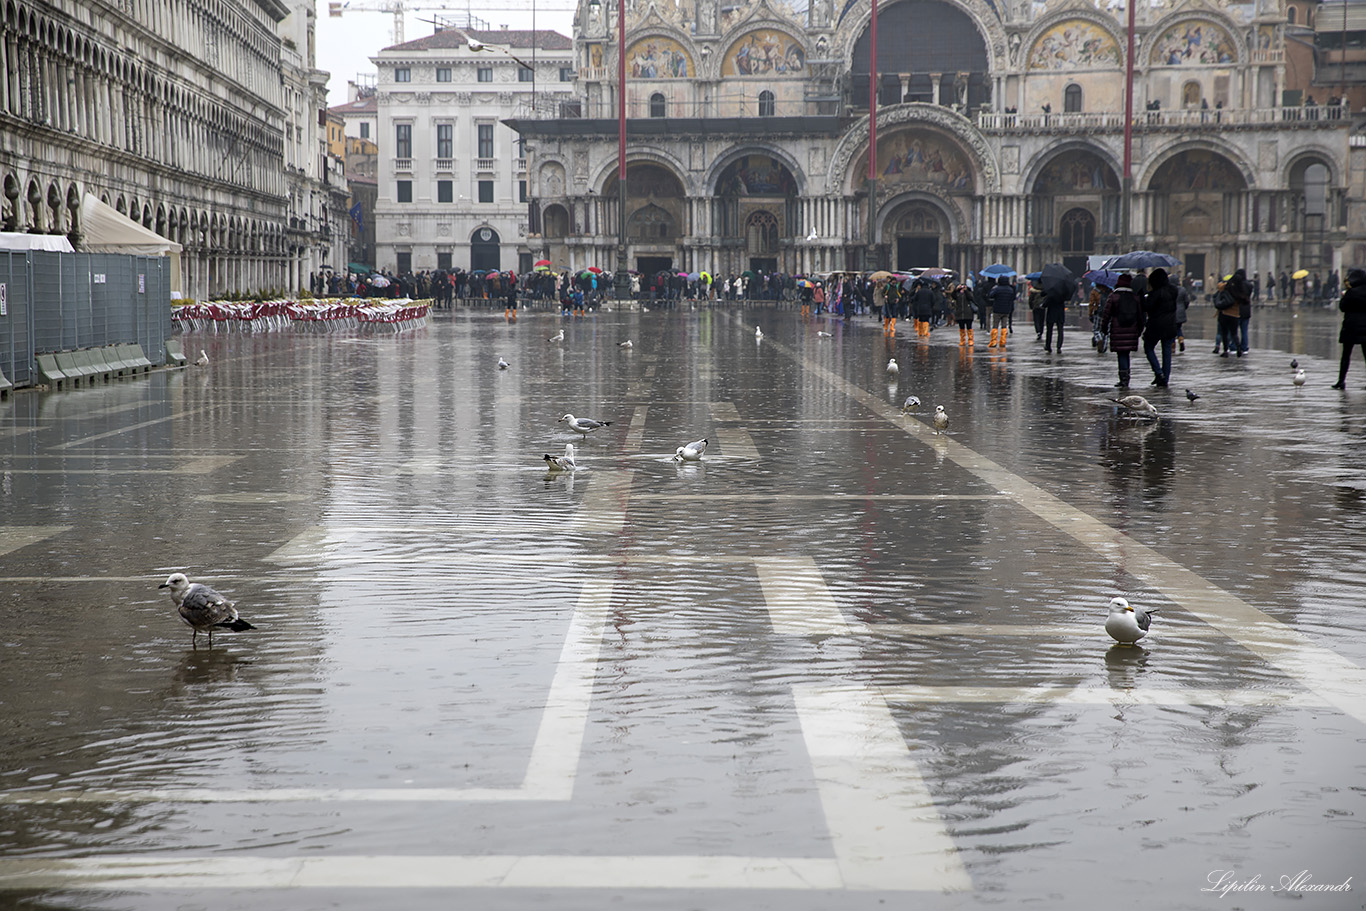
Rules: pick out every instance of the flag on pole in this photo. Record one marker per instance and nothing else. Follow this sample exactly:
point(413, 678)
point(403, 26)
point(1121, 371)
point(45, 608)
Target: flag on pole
point(358, 218)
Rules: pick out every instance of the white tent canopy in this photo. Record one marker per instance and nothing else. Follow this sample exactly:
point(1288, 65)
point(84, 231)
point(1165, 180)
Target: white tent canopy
point(106, 230)
point(20, 241)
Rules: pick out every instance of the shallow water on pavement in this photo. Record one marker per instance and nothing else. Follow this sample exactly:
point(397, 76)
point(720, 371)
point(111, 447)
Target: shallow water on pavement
point(379, 508)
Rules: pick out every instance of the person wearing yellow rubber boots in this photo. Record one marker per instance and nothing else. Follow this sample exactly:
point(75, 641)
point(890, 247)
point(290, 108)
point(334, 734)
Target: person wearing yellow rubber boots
point(922, 308)
point(1002, 300)
point(964, 309)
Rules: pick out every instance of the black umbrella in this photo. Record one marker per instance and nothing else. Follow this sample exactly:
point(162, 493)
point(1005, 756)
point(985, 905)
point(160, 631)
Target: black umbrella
point(1058, 280)
point(1141, 259)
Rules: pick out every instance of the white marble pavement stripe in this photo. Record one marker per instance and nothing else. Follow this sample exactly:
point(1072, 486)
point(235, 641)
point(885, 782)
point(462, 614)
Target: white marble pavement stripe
point(13, 537)
point(884, 826)
point(799, 603)
point(1340, 681)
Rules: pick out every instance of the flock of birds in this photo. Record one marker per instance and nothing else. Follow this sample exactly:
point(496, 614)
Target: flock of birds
point(205, 610)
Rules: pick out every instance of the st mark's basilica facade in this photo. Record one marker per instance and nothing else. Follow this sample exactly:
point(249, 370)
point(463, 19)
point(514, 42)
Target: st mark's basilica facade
point(999, 138)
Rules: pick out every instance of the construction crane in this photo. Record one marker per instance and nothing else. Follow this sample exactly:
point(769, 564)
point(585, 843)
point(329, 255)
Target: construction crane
point(337, 8)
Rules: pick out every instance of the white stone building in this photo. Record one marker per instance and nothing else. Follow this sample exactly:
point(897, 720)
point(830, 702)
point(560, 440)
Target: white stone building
point(452, 176)
point(175, 114)
point(1000, 137)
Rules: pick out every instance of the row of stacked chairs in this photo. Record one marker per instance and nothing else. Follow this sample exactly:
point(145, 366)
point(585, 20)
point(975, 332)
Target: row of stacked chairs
point(86, 366)
point(324, 314)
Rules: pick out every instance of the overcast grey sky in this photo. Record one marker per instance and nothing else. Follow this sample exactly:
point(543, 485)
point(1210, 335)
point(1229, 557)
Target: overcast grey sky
point(346, 43)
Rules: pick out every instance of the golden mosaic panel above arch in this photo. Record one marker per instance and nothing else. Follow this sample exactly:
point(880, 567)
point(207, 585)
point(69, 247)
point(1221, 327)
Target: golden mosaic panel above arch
point(658, 57)
point(1074, 44)
point(918, 157)
point(1194, 42)
point(765, 52)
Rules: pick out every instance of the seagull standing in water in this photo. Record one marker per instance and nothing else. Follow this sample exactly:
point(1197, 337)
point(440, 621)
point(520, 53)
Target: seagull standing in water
point(912, 403)
point(892, 368)
point(1136, 404)
point(562, 463)
point(1299, 378)
point(584, 426)
point(758, 333)
point(202, 608)
point(1127, 624)
point(692, 452)
point(203, 359)
point(557, 337)
point(625, 344)
point(502, 364)
point(941, 419)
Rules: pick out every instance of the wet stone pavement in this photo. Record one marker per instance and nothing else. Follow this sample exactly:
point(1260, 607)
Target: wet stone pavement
point(843, 662)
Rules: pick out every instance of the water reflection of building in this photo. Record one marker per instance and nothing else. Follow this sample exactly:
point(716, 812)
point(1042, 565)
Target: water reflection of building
point(1000, 137)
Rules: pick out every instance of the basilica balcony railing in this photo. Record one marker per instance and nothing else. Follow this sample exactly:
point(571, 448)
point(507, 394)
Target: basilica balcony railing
point(403, 165)
point(485, 165)
point(443, 165)
point(519, 165)
point(1314, 115)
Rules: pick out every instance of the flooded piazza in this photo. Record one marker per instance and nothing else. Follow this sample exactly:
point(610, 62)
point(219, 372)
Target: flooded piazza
point(842, 662)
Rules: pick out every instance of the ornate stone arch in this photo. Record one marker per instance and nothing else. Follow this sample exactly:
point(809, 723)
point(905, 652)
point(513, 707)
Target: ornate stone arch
point(649, 155)
point(1161, 156)
point(959, 229)
point(854, 144)
point(857, 17)
point(738, 150)
point(1317, 155)
point(1040, 161)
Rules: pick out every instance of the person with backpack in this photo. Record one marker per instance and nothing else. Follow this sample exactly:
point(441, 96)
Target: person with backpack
point(1159, 317)
point(1121, 320)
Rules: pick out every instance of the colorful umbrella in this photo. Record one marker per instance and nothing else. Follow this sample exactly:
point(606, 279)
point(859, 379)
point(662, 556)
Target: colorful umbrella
point(706, 277)
point(542, 262)
point(879, 276)
point(594, 269)
point(1299, 274)
point(805, 283)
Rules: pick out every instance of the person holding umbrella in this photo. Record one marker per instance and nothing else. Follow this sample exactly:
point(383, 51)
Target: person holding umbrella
point(1057, 286)
point(1002, 299)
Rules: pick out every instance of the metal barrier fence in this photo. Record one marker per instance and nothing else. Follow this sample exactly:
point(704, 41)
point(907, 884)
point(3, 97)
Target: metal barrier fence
point(65, 301)
point(324, 313)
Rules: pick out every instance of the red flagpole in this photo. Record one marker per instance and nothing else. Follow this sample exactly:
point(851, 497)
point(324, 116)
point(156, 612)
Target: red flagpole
point(872, 137)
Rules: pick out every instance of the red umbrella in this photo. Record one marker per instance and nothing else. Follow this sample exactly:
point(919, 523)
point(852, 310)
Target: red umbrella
point(542, 262)
point(594, 269)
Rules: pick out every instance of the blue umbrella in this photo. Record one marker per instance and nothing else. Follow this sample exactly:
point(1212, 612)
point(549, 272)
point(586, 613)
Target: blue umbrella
point(1034, 276)
point(1106, 277)
point(996, 271)
point(1141, 259)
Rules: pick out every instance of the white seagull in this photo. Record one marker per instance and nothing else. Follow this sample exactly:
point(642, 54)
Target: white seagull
point(912, 403)
point(758, 333)
point(502, 364)
point(1136, 404)
point(1299, 377)
point(625, 344)
point(892, 368)
point(584, 426)
point(202, 608)
point(692, 452)
point(557, 337)
point(941, 418)
point(562, 463)
point(821, 333)
point(1127, 624)
point(203, 359)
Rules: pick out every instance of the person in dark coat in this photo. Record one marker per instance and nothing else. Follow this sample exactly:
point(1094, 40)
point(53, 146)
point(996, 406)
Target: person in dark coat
point(922, 307)
point(964, 308)
point(1054, 312)
point(1035, 299)
point(1353, 307)
point(1122, 320)
point(1002, 300)
point(1159, 317)
point(1241, 289)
